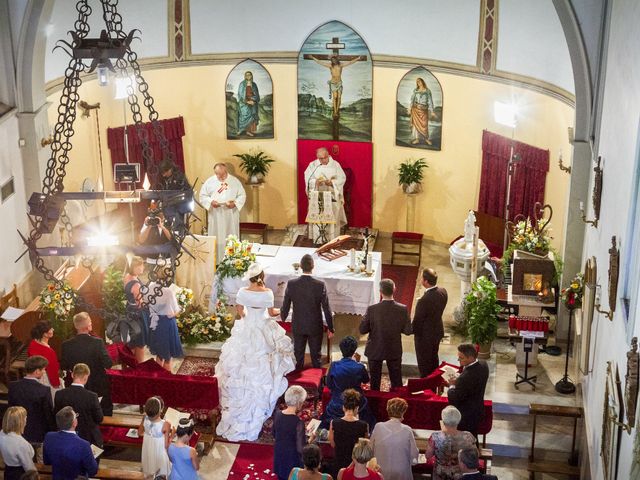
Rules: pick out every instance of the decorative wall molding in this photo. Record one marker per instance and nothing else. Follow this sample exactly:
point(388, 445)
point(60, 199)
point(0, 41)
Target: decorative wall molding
point(487, 41)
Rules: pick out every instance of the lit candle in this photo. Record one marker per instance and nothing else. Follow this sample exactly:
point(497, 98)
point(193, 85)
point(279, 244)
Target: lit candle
point(352, 262)
point(582, 206)
point(369, 263)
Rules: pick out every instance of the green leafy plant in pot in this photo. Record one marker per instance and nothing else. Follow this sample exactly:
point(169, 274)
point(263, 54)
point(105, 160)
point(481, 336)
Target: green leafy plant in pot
point(410, 175)
point(255, 164)
point(482, 314)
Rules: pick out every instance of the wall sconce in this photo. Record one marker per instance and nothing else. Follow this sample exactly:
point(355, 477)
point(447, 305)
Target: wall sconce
point(596, 197)
point(562, 166)
point(614, 267)
point(46, 141)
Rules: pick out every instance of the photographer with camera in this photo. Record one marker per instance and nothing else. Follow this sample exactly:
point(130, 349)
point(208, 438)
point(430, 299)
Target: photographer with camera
point(154, 231)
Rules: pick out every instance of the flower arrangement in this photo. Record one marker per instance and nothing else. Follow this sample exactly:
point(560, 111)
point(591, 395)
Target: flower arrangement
point(236, 261)
point(530, 238)
point(58, 300)
point(195, 325)
point(185, 298)
point(572, 295)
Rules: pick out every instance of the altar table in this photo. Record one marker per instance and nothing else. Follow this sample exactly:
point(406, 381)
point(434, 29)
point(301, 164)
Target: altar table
point(348, 292)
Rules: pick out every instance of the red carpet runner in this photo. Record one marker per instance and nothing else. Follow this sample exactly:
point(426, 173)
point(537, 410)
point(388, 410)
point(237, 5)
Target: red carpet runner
point(253, 462)
point(405, 277)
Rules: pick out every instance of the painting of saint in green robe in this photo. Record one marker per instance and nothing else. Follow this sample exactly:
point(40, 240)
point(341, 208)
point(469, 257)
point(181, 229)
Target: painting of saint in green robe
point(249, 96)
point(419, 110)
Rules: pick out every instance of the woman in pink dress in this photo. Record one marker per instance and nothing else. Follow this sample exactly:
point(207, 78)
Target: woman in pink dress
point(41, 333)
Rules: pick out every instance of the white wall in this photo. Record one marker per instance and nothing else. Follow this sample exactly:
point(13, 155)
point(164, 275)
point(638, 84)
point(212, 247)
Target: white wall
point(148, 16)
point(619, 149)
point(531, 42)
point(13, 210)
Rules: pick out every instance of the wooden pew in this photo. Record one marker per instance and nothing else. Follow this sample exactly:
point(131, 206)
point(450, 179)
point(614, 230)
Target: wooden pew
point(44, 472)
point(569, 468)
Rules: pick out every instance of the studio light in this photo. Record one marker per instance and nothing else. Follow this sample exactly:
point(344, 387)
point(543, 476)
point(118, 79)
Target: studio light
point(122, 86)
point(505, 113)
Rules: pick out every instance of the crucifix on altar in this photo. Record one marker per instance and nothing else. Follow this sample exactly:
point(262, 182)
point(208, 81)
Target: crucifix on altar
point(333, 63)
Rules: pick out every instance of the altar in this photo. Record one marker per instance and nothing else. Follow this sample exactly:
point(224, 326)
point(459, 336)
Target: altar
point(348, 292)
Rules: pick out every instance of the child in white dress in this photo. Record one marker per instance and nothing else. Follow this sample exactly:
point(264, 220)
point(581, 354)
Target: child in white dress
point(156, 439)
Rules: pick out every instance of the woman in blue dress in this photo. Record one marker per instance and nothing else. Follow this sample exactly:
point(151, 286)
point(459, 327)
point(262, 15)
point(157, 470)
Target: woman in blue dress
point(164, 339)
point(342, 375)
point(135, 311)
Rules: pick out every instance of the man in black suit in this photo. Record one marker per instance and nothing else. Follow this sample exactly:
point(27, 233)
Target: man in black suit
point(84, 402)
point(36, 400)
point(466, 392)
point(427, 326)
point(85, 348)
point(385, 322)
point(309, 298)
point(469, 465)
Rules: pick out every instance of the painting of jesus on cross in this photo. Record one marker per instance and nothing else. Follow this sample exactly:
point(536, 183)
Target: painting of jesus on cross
point(334, 85)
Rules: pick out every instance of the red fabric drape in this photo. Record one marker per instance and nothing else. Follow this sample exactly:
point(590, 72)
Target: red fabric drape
point(173, 129)
point(527, 183)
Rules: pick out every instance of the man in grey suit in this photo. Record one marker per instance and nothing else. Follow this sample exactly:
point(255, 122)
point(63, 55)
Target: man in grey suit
point(309, 298)
point(385, 322)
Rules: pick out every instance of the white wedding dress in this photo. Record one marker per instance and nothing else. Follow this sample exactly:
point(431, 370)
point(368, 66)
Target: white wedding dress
point(252, 368)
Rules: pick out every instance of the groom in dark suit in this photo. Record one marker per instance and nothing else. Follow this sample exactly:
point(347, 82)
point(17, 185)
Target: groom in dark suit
point(427, 325)
point(309, 298)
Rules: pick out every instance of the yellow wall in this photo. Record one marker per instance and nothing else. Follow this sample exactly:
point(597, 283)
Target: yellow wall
point(451, 181)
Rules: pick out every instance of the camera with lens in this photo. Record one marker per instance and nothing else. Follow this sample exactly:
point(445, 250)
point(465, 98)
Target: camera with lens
point(153, 218)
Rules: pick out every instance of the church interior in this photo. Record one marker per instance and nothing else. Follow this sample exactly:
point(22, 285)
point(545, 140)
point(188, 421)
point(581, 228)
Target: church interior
point(488, 140)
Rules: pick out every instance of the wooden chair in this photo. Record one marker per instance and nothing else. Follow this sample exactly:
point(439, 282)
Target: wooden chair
point(13, 351)
point(10, 299)
point(254, 229)
point(406, 238)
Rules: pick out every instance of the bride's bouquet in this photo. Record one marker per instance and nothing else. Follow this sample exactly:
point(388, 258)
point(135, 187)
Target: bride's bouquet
point(237, 258)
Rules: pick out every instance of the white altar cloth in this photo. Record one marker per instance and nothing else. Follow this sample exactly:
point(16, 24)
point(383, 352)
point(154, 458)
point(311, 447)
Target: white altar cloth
point(348, 292)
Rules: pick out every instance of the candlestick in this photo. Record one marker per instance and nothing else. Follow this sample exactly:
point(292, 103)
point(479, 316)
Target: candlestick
point(369, 263)
point(352, 260)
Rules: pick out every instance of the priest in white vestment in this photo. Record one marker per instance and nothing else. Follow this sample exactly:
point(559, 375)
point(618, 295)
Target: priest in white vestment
point(223, 196)
point(325, 174)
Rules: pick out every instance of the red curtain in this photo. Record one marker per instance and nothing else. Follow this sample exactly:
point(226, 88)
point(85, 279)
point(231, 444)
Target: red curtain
point(527, 182)
point(356, 159)
point(173, 129)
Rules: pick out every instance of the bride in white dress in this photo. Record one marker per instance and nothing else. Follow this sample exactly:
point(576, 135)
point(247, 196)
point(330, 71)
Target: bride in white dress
point(253, 362)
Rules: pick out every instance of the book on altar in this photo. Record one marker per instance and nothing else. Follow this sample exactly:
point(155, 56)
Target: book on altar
point(133, 433)
point(312, 426)
point(11, 314)
point(173, 416)
point(97, 451)
point(265, 250)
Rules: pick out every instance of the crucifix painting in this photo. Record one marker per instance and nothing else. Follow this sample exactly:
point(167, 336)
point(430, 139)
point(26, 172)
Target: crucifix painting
point(334, 85)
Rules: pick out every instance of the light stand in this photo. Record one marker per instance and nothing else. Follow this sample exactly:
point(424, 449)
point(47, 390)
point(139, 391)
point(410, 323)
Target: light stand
point(565, 385)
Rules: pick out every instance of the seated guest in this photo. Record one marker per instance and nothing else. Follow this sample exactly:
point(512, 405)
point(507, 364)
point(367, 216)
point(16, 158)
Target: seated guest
point(393, 443)
point(466, 392)
point(342, 375)
point(344, 432)
point(469, 465)
point(385, 322)
point(444, 445)
point(362, 453)
point(41, 333)
point(311, 458)
point(289, 433)
point(35, 398)
point(85, 348)
point(184, 459)
point(17, 453)
point(69, 455)
point(84, 402)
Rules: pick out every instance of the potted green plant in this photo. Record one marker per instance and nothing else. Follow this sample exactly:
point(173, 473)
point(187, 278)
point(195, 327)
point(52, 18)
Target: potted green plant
point(255, 164)
point(482, 314)
point(410, 175)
